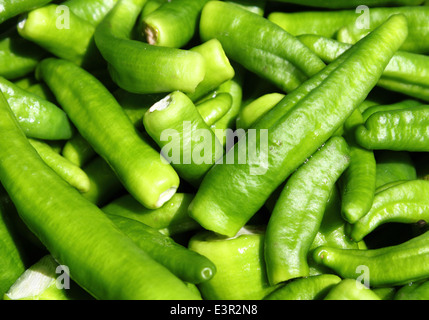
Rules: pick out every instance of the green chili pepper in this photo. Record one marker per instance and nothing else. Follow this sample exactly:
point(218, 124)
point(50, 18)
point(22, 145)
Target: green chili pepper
point(402, 202)
point(12, 249)
point(62, 33)
point(413, 291)
point(256, 109)
point(104, 184)
point(38, 118)
point(387, 293)
point(235, 89)
point(18, 57)
point(417, 17)
point(405, 70)
point(394, 166)
point(405, 104)
point(287, 65)
point(320, 23)
point(357, 184)
point(151, 6)
point(171, 219)
point(212, 110)
point(295, 136)
point(79, 236)
point(92, 11)
point(173, 24)
point(218, 68)
point(257, 6)
point(340, 4)
point(240, 270)
point(298, 213)
point(397, 130)
point(154, 69)
point(186, 264)
point(110, 132)
point(193, 148)
point(42, 281)
point(71, 173)
point(332, 232)
point(412, 90)
point(12, 8)
point(350, 289)
point(78, 151)
point(388, 266)
point(309, 288)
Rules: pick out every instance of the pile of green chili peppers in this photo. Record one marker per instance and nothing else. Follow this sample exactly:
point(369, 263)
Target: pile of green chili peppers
point(214, 150)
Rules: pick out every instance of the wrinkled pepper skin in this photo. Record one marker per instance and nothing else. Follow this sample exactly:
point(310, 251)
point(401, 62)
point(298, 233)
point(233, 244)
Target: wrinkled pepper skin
point(144, 173)
point(299, 210)
point(224, 203)
point(357, 184)
point(387, 266)
point(81, 237)
point(417, 17)
point(287, 65)
point(396, 130)
point(406, 73)
point(400, 202)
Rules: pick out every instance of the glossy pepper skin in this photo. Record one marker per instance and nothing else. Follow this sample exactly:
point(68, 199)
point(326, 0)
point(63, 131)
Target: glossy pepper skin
point(39, 118)
point(18, 57)
point(239, 262)
point(417, 17)
point(194, 146)
point(332, 232)
point(287, 65)
point(12, 8)
point(171, 219)
point(186, 264)
point(154, 69)
point(81, 237)
point(357, 184)
point(397, 130)
point(400, 202)
point(407, 262)
point(299, 210)
point(73, 41)
point(92, 11)
point(351, 289)
point(406, 72)
point(111, 133)
point(220, 205)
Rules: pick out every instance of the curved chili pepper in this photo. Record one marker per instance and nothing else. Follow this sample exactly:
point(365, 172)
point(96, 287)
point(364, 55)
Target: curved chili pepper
point(296, 135)
point(400, 202)
point(406, 262)
point(154, 69)
point(150, 179)
point(298, 212)
point(397, 130)
point(287, 65)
